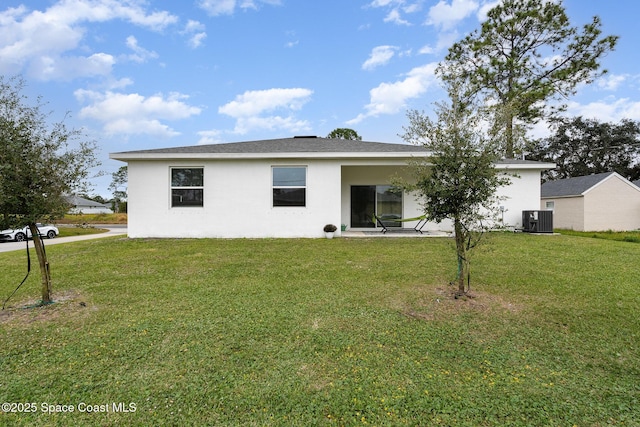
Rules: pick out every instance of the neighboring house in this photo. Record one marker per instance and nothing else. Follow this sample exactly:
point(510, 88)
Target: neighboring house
point(288, 187)
point(84, 206)
point(604, 201)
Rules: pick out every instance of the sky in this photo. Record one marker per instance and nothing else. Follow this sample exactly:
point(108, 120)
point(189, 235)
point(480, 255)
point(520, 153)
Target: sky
point(138, 74)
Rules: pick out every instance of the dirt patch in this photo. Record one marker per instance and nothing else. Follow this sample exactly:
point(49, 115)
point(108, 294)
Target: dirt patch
point(69, 304)
point(442, 303)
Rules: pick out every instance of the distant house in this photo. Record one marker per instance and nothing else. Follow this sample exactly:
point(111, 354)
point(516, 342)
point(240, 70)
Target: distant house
point(289, 187)
point(605, 201)
point(84, 206)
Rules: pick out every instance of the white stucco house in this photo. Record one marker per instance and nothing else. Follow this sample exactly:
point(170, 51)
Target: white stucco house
point(598, 202)
point(289, 187)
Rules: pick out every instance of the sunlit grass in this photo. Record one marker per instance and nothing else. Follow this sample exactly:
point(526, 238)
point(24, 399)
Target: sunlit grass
point(327, 332)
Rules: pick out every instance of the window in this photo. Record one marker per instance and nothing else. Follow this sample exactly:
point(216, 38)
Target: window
point(289, 186)
point(187, 187)
point(550, 205)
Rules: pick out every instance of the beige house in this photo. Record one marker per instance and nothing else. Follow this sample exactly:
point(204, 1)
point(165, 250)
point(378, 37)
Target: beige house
point(605, 201)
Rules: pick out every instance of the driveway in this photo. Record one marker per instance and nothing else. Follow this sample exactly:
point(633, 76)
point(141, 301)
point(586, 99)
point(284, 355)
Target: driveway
point(114, 230)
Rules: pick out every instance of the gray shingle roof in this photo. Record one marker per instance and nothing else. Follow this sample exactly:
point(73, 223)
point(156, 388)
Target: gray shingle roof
point(80, 201)
point(289, 145)
point(636, 183)
point(572, 186)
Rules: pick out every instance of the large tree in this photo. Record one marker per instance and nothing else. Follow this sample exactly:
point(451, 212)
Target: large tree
point(582, 146)
point(459, 180)
point(40, 163)
point(524, 55)
point(344, 133)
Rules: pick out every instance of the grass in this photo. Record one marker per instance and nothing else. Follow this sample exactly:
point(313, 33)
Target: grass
point(623, 236)
point(70, 231)
point(102, 218)
point(327, 333)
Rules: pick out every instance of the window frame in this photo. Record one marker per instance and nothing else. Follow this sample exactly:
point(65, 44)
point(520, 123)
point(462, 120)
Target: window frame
point(185, 187)
point(275, 187)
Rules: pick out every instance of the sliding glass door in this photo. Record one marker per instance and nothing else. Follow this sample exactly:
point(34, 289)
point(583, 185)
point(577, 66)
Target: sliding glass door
point(379, 199)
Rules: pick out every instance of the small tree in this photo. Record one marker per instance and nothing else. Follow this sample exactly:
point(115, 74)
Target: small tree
point(119, 187)
point(37, 167)
point(525, 54)
point(459, 180)
point(344, 133)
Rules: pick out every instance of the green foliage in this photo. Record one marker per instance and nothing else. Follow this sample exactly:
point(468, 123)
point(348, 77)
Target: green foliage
point(38, 167)
point(525, 54)
point(582, 147)
point(119, 187)
point(459, 180)
point(233, 332)
point(344, 133)
point(39, 162)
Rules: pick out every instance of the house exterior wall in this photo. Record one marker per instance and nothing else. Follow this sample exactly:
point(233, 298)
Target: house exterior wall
point(613, 204)
point(568, 212)
point(522, 194)
point(237, 200)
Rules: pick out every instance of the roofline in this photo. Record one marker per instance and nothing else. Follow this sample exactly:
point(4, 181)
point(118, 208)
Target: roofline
point(526, 164)
point(616, 174)
point(125, 156)
point(406, 155)
point(569, 196)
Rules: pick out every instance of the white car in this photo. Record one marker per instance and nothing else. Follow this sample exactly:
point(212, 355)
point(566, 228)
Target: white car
point(20, 234)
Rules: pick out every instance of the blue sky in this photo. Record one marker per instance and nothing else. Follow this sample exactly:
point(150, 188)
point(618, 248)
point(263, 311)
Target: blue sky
point(160, 73)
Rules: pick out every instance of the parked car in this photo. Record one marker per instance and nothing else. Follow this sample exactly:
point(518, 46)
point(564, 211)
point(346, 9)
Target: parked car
point(20, 234)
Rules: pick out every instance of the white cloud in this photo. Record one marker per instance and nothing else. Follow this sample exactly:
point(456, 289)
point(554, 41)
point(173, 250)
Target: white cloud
point(380, 55)
point(390, 98)
point(447, 15)
point(210, 137)
point(197, 40)
point(483, 11)
point(394, 17)
point(445, 40)
point(139, 54)
point(228, 7)
point(382, 3)
point(133, 113)
point(35, 39)
point(254, 109)
point(67, 68)
point(195, 30)
point(612, 81)
point(606, 110)
point(396, 6)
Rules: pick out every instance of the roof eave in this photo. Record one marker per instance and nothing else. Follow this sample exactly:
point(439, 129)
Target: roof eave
point(127, 156)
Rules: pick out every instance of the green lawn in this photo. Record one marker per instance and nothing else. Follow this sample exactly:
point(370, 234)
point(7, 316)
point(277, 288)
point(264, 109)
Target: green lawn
point(69, 231)
point(326, 332)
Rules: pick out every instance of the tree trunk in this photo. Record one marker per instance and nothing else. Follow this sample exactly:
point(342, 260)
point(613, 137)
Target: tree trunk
point(44, 264)
point(509, 146)
point(463, 262)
